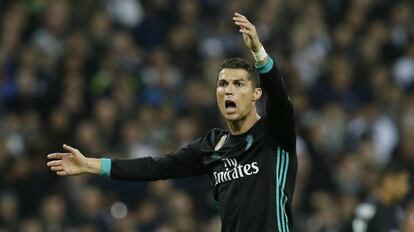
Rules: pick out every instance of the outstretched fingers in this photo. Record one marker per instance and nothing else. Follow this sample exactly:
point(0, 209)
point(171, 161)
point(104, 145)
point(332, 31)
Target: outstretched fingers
point(245, 26)
point(57, 168)
point(61, 162)
point(246, 31)
point(70, 149)
point(54, 163)
point(238, 15)
point(241, 18)
point(61, 173)
point(57, 155)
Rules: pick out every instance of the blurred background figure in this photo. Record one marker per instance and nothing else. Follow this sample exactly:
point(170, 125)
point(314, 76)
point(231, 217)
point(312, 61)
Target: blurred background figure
point(134, 78)
point(9, 214)
point(381, 211)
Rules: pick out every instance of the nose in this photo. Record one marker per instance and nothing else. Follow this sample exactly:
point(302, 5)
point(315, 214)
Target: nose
point(229, 90)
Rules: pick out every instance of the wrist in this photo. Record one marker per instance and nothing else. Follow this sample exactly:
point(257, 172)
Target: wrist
point(259, 55)
point(92, 166)
point(87, 166)
point(256, 48)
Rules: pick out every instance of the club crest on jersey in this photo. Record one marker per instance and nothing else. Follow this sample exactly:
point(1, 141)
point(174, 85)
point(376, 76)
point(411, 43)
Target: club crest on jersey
point(220, 142)
point(215, 156)
point(249, 140)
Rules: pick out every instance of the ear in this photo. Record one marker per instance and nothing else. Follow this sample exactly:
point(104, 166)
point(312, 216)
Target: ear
point(257, 93)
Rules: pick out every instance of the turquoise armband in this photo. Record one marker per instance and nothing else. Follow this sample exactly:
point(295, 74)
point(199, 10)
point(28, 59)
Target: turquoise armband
point(264, 68)
point(105, 167)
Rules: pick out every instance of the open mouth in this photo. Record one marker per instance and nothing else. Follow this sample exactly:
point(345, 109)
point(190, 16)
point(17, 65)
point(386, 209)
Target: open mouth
point(230, 105)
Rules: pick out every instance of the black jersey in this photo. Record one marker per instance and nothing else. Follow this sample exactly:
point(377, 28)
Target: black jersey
point(253, 173)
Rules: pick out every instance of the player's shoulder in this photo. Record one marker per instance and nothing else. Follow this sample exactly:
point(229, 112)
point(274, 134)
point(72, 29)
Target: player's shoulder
point(215, 134)
point(209, 139)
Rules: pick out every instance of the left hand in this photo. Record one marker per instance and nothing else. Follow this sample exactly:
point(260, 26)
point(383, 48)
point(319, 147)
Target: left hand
point(248, 30)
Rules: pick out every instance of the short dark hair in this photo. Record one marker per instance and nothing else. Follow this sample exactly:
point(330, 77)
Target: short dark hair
point(240, 63)
point(392, 169)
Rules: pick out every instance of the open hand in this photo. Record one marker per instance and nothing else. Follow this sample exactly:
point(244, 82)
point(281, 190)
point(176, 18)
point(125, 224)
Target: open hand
point(71, 163)
point(248, 30)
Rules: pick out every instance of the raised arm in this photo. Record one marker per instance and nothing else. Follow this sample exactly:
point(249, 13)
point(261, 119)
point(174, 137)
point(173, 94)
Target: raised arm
point(279, 109)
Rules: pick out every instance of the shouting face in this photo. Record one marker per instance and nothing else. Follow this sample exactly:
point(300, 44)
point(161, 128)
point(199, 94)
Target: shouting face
point(236, 96)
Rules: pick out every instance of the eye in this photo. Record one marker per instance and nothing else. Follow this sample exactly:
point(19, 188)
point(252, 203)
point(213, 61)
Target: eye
point(222, 84)
point(239, 83)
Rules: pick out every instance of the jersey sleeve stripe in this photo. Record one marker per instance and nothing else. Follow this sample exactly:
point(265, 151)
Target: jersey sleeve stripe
point(283, 189)
point(277, 188)
point(282, 164)
point(284, 212)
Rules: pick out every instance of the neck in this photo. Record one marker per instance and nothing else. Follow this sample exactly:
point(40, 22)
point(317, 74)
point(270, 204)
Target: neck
point(243, 125)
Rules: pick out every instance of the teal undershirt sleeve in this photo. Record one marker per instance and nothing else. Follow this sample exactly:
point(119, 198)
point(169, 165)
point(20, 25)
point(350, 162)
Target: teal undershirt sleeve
point(105, 167)
point(266, 67)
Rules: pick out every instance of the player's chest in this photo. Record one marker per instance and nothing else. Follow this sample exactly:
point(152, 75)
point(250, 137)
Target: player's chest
point(238, 159)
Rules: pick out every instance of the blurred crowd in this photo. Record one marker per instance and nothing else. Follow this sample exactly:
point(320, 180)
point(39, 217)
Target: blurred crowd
point(126, 79)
